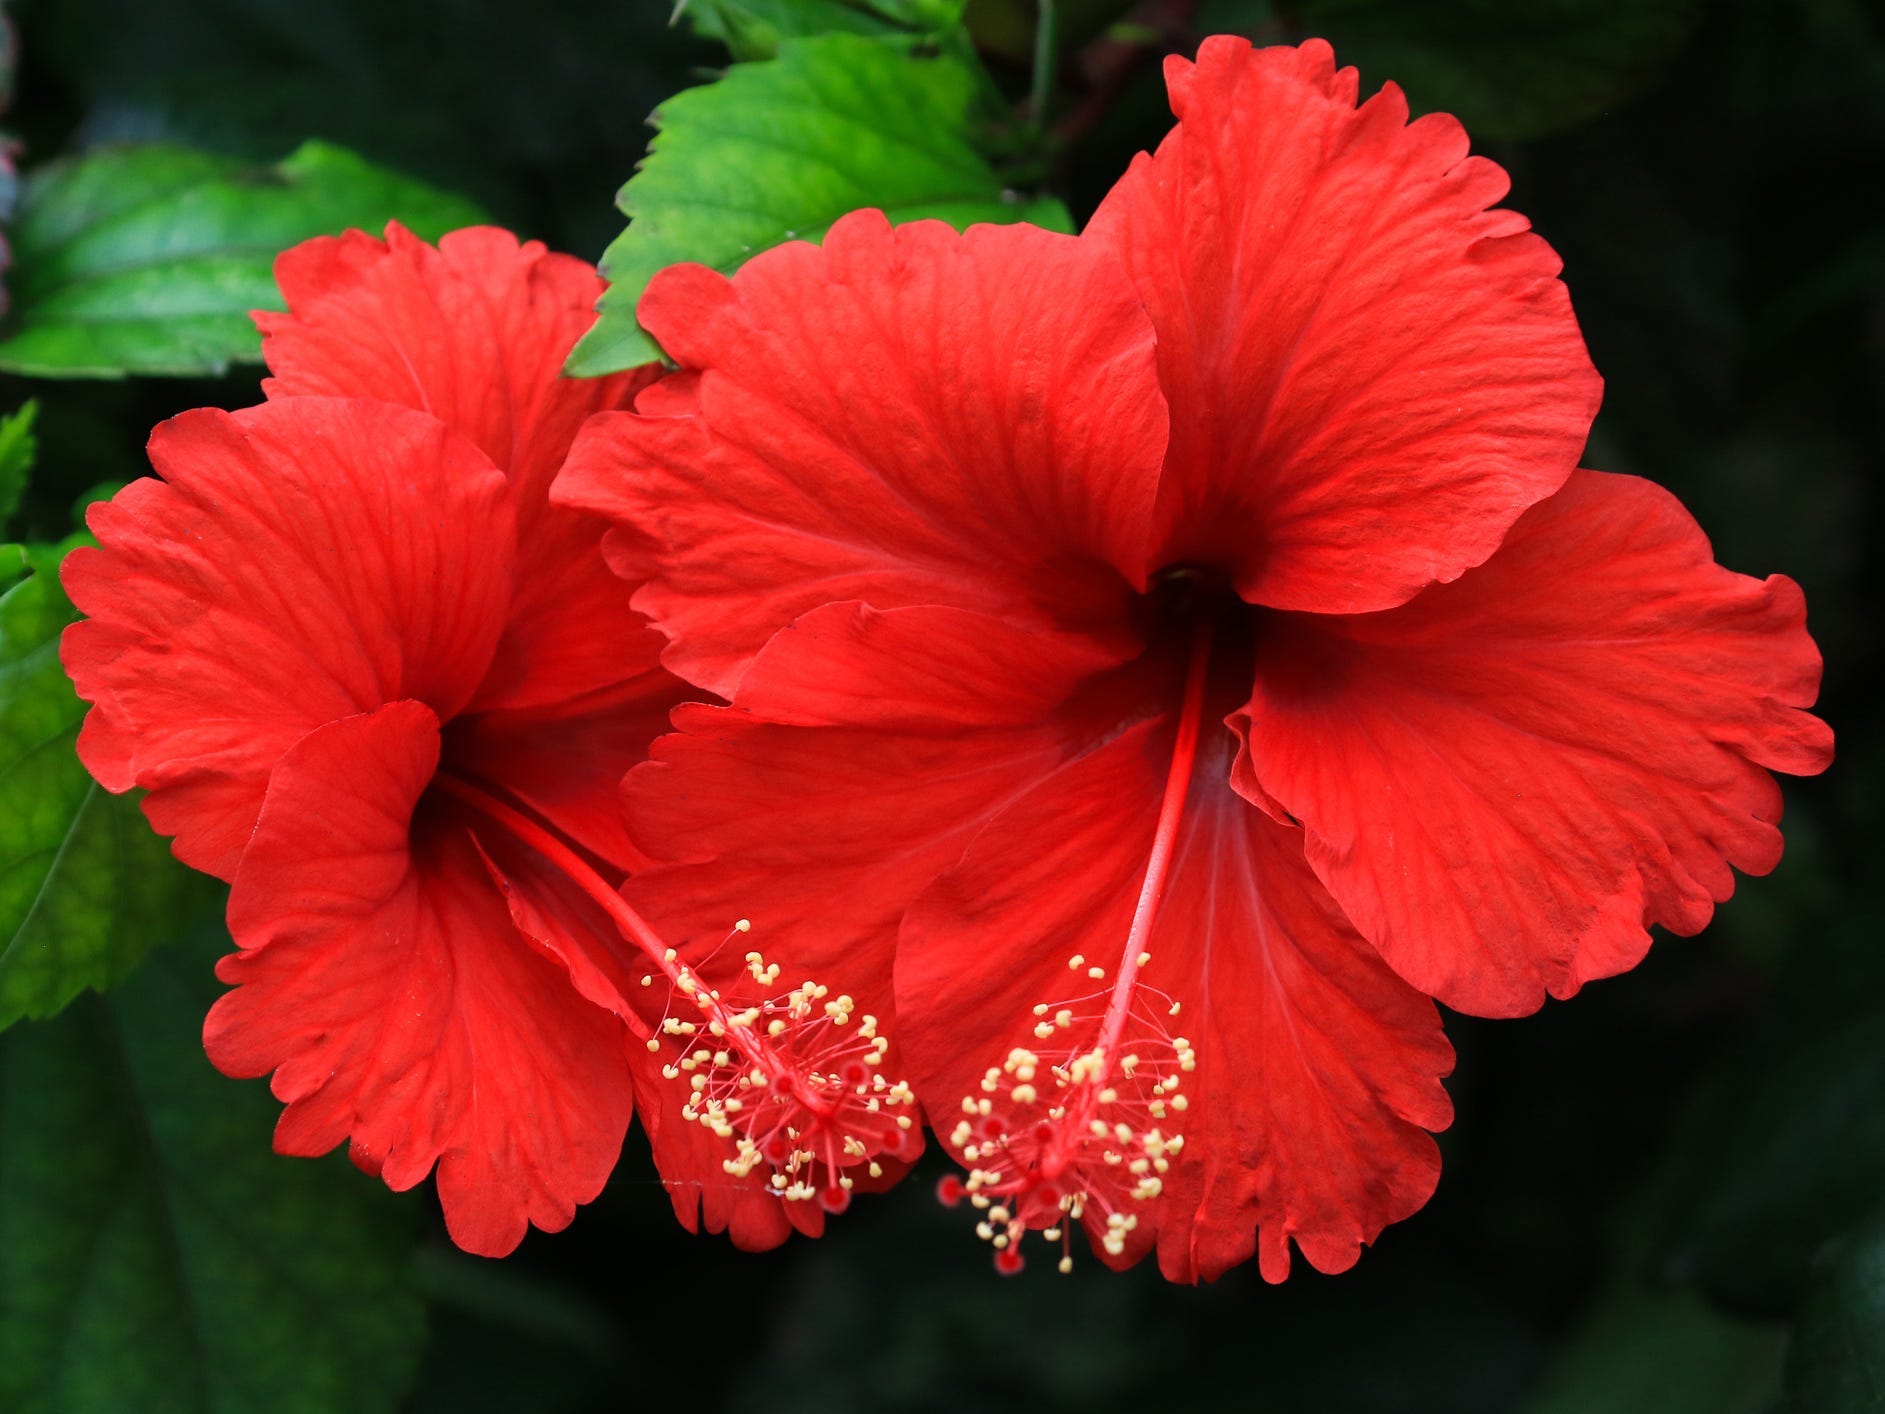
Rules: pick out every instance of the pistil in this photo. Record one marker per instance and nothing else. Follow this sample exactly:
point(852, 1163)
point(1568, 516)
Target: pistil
point(1088, 1137)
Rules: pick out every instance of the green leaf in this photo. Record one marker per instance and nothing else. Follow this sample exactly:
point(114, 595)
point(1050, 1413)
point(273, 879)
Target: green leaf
point(1505, 70)
point(469, 95)
point(1663, 1352)
point(155, 1255)
point(753, 29)
point(782, 149)
point(148, 259)
point(18, 449)
point(1837, 1362)
point(85, 887)
point(1790, 1154)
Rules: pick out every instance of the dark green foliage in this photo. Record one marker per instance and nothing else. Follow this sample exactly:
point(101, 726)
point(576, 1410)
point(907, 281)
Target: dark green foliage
point(155, 1256)
point(783, 148)
point(1790, 1156)
point(18, 448)
point(149, 259)
point(753, 29)
point(1506, 70)
point(1837, 1363)
point(534, 111)
point(1662, 1352)
point(85, 887)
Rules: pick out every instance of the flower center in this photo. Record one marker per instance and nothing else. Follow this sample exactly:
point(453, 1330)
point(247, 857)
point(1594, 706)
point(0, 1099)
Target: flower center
point(1086, 1137)
point(790, 1080)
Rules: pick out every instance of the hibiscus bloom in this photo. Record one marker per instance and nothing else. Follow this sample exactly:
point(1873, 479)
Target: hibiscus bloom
point(372, 678)
point(985, 535)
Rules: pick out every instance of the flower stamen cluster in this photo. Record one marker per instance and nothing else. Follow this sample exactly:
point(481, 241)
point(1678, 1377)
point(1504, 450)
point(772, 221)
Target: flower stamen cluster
point(1087, 1137)
point(792, 1080)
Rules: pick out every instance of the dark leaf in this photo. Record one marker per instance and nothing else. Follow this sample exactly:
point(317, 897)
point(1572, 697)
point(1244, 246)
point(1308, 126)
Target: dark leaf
point(1505, 70)
point(781, 149)
point(85, 887)
point(18, 447)
point(753, 29)
point(1664, 1352)
point(1790, 1155)
point(1837, 1362)
point(155, 1255)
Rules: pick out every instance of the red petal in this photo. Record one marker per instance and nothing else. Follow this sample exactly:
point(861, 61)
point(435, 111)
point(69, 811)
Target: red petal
point(863, 751)
point(571, 629)
point(566, 760)
point(1318, 1069)
point(925, 669)
point(690, 1159)
point(901, 417)
point(1371, 375)
point(1507, 779)
point(300, 562)
point(382, 981)
point(549, 910)
point(705, 1197)
point(561, 922)
point(474, 332)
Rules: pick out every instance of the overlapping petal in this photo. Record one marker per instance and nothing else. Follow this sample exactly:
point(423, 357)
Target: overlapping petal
point(913, 504)
point(1372, 372)
point(572, 630)
point(1318, 1070)
point(278, 630)
point(566, 760)
point(475, 331)
point(863, 751)
point(691, 1161)
point(902, 417)
point(381, 980)
point(300, 562)
point(1507, 779)
point(840, 782)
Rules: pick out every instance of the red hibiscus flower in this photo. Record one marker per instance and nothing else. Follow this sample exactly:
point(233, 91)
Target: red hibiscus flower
point(370, 676)
point(984, 535)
